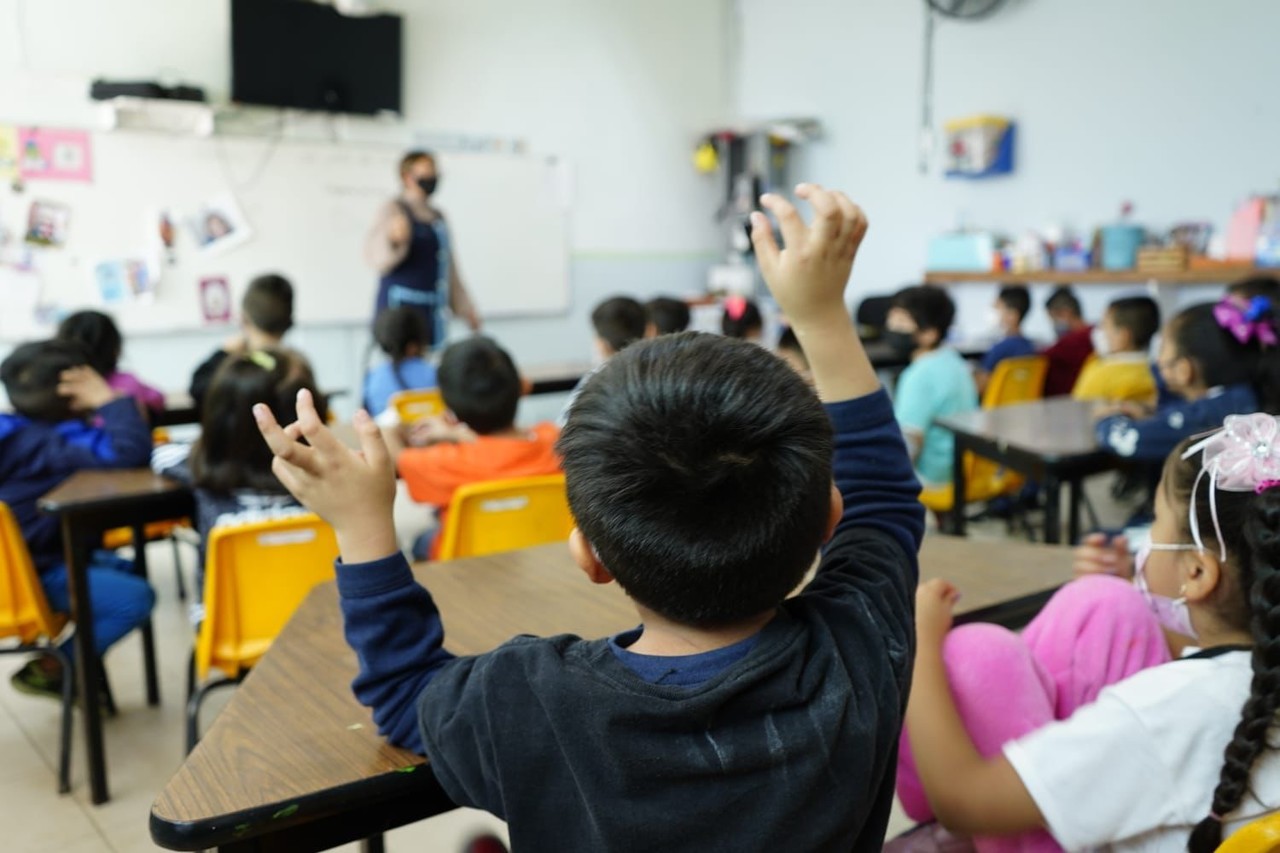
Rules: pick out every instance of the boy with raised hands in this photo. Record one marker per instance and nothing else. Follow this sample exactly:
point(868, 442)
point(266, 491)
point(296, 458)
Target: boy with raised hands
point(734, 717)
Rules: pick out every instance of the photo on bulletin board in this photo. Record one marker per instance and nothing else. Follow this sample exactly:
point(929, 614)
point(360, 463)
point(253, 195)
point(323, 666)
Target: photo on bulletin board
point(121, 281)
point(8, 153)
point(218, 225)
point(47, 224)
point(215, 300)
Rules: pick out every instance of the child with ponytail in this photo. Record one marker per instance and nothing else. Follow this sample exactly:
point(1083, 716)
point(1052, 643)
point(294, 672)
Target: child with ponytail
point(1088, 730)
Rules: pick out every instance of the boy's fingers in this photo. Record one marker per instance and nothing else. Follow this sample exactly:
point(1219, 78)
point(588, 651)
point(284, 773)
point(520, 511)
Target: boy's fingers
point(372, 446)
point(1097, 540)
point(789, 221)
point(284, 447)
point(317, 434)
point(288, 475)
point(762, 239)
point(855, 221)
point(827, 220)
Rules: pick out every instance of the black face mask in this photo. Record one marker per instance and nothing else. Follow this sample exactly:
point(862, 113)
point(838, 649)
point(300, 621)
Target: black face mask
point(902, 343)
point(428, 185)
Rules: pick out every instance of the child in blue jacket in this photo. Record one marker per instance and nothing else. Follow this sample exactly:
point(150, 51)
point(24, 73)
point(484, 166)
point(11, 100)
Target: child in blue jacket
point(66, 419)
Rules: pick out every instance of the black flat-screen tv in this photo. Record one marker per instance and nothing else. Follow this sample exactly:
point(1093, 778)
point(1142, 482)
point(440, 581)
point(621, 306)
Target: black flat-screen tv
point(302, 55)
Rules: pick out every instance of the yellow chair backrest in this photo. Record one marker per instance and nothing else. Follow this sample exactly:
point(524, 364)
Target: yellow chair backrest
point(256, 575)
point(1259, 836)
point(24, 611)
point(418, 404)
point(505, 515)
point(1015, 380)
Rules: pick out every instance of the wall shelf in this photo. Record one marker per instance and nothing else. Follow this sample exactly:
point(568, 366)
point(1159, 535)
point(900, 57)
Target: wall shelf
point(1214, 275)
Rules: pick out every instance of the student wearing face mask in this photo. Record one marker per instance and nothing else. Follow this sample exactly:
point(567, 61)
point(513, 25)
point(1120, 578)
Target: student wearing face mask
point(1068, 354)
point(937, 383)
point(409, 245)
point(1122, 373)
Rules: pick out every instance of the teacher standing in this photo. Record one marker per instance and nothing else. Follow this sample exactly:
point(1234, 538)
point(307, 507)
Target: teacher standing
point(409, 246)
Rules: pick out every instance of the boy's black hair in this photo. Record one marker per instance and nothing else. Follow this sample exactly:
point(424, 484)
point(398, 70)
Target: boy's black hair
point(398, 329)
point(699, 467)
point(668, 315)
point(1016, 297)
point(97, 333)
point(1258, 285)
point(230, 453)
point(1139, 315)
point(745, 323)
point(930, 308)
point(268, 304)
point(480, 384)
point(1063, 299)
point(1220, 359)
point(619, 322)
point(31, 373)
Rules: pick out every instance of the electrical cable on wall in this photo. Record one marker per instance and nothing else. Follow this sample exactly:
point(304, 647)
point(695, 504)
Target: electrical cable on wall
point(962, 10)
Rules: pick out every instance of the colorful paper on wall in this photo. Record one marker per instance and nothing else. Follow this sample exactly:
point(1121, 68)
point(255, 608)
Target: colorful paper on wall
point(215, 299)
point(8, 153)
point(218, 224)
point(61, 155)
point(121, 281)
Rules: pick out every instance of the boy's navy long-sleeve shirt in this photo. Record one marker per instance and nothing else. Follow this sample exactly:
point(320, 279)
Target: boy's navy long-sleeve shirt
point(792, 746)
point(36, 456)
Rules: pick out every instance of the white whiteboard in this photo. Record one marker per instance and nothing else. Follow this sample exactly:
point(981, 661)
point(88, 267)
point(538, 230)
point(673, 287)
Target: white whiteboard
point(309, 205)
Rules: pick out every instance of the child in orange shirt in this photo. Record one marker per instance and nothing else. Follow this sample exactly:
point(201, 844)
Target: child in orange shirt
point(478, 439)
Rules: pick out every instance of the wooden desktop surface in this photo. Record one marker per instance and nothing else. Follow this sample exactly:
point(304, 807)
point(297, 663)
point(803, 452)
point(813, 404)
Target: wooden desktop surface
point(92, 489)
point(294, 729)
point(1053, 428)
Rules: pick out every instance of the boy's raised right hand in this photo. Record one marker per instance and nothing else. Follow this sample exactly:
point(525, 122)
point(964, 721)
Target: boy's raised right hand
point(85, 389)
point(352, 490)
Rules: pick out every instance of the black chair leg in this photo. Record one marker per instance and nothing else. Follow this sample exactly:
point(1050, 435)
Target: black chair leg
point(68, 702)
point(149, 663)
point(177, 568)
point(108, 697)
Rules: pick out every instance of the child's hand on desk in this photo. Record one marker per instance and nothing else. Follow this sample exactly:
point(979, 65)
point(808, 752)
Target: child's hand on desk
point(935, 600)
point(85, 389)
point(1097, 556)
point(352, 490)
point(808, 277)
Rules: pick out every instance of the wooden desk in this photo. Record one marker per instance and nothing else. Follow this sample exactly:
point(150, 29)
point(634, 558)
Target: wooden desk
point(295, 763)
point(1051, 441)
point(179, 408)
point(88, 504)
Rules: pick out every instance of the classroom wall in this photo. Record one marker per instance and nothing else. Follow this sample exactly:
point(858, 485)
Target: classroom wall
point(620, 90)
point(1170, 105)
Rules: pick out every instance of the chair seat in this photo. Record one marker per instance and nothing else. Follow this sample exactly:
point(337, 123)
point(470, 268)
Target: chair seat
point(942, 497)
point(235, 658)
point(1260, 836)
point(120, 537)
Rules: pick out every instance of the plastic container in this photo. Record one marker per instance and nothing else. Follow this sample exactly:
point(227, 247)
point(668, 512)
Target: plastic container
point(1120, 244)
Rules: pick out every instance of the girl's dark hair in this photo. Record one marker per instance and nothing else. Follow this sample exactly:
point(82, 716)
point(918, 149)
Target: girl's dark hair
point(1220, 359)
point(230, 453)
point(745, 323)
point(97, 333)
point(398, 329)
point(1249, 595)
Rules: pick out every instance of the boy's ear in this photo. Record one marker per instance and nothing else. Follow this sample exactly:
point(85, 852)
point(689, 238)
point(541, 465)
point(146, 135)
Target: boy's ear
point(835, 513)
point(585, 556)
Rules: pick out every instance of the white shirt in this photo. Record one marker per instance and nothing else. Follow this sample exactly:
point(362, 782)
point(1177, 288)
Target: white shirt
point(1135, 770)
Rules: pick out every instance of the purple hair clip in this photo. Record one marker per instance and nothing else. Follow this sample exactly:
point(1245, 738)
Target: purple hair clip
point(1248, 321)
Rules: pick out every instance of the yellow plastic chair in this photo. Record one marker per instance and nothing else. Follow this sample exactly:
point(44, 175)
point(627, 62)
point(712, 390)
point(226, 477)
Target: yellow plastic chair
point(1259, 836)
point(25, 615)
point(417, 404)
point(505, 515)
point(256, 575)
point(1015, 380)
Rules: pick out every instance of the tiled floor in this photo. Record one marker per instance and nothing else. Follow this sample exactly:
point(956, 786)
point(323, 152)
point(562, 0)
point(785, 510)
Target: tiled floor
point(144, 745)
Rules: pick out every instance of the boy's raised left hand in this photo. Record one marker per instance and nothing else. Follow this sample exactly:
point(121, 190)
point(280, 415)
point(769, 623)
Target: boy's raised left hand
point(809, 275)
point(352, 490)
